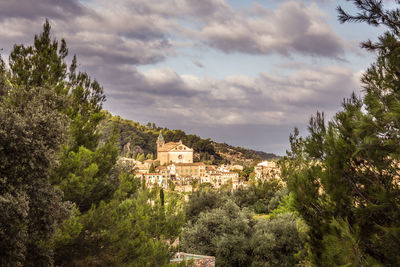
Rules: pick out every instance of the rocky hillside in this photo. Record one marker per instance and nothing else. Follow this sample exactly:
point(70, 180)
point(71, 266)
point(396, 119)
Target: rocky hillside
point(135, 139)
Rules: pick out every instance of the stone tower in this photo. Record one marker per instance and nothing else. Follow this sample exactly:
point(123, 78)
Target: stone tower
point(160, 144)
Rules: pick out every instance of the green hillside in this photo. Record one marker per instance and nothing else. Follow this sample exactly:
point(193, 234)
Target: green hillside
point(142, 139)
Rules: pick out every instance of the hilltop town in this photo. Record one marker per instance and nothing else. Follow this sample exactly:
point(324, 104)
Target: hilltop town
point(174, 169)
point(81, 187)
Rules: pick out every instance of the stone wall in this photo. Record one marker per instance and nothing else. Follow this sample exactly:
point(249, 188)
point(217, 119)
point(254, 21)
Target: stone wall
point(198, 260)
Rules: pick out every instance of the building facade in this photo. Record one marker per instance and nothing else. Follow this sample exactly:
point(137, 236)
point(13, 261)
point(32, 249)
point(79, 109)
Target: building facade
point(173, 152)
point(156, 179)
point(197, 169)
point(267, 170)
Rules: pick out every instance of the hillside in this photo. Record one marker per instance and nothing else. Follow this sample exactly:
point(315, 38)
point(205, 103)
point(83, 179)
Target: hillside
point(241, 155)
point(135, 138)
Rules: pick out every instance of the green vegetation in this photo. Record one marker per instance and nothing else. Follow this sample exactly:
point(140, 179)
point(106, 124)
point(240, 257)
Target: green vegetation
point(65, 202)
point(241, 155)
point(222, 224)
point(126, 230)
point(142, 140)
point(344, 176)
point(62, 198)
point(31, 131)
point(152, 169)
point(259, 198)
point(343, 180)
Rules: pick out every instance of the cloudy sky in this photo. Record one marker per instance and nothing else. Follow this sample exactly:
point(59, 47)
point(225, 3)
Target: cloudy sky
point(241, 72)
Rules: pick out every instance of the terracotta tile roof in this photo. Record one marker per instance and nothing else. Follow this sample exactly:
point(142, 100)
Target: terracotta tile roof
point(154, 174)
point(171, 145)
point(168, 146)
point(161, 167)
point(190, 164)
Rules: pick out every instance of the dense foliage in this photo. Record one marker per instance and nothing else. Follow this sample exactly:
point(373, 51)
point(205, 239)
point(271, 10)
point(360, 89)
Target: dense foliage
point(345, 175)
point(31, 131)
point(259, 198)
point(63, 199)
point(133, 228)
point(224, 224)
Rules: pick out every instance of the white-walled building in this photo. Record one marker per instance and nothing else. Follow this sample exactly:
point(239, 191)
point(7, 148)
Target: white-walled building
point(267, 170)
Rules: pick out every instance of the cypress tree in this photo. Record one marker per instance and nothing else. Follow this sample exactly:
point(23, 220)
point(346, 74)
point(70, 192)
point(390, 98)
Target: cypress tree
point(152, 169)
point(162, 197)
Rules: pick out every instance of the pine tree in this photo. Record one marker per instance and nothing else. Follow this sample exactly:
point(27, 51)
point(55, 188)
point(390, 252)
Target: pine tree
point(345, 175)
point(85, 182)
point(107, 220)
point(44, 64)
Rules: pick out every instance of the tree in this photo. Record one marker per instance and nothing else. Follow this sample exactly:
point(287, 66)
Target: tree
point(31, 131)
point(202, 200)
point(152, 169)
point(344, 175)
point(194, 183)
point(261, 197)
point(140, 157)
point(108, 220)
point(40, 65)
point(235, 238)
point(246, 173)
point(86, 176)
point(221, 232)
point(132, 229)
point(162, 197)
point(171, 185)
point(275, 242)
point(5, 84)
point(43, 64)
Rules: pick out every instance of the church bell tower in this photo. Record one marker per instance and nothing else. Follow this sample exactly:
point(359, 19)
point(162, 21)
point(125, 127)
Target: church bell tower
point(160, 144)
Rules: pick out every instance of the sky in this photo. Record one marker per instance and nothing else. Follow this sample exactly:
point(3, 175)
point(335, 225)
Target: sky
point(241, 72)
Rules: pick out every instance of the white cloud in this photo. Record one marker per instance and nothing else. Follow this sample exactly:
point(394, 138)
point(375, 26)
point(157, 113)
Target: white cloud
point(112, 38)
point(147, 31)
point(292, 28)
point(266, 99)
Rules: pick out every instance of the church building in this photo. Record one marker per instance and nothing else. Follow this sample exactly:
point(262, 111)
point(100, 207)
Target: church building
point(173, 152)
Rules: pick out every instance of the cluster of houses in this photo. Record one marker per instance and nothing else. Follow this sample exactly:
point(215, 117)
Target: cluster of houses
point(174, 168)
point(267, 170)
